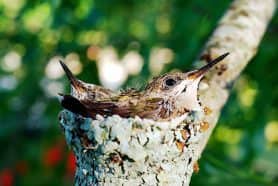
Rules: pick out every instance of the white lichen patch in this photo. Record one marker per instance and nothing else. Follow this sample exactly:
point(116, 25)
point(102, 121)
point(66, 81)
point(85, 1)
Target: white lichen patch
point(132, 150)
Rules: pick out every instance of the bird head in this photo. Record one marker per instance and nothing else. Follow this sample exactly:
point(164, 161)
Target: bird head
point(180, 87)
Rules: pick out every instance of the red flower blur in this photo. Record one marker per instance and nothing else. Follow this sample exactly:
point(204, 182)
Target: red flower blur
point(21, 167)
point(6, 177)
point(53, 156)
point(71, 164)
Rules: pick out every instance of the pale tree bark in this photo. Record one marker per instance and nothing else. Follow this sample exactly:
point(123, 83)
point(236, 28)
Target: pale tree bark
point(134, 151)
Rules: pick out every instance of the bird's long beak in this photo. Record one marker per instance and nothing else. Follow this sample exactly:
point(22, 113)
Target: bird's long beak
point(73, 81)
point(200, 72)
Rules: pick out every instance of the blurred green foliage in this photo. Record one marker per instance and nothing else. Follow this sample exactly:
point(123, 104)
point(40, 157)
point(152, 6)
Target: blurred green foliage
point(243, 149)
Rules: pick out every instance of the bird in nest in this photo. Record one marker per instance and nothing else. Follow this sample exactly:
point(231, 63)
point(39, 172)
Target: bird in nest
point(166, 97)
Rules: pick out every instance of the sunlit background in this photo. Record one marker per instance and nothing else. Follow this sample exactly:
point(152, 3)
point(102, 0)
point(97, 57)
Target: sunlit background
point(121, 44)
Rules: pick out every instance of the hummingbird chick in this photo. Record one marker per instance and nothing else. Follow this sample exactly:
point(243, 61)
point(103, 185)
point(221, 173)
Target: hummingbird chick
point(85, 91)
point(164, 98)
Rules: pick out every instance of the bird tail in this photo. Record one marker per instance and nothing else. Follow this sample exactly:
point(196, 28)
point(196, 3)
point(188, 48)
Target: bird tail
point(73, 80)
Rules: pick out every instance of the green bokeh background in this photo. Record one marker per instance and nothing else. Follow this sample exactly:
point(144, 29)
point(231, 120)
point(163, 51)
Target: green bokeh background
point(243, 148)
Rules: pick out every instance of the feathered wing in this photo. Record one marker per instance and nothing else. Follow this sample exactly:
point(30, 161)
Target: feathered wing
point(144, 108)
point(86, 108)
point(74, 105)
point(147, 108)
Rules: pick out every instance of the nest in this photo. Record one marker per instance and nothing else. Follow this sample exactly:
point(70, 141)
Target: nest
point(132, 151)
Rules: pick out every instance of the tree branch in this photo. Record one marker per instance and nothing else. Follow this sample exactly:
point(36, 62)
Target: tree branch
point(239, 32)
point(134, 151)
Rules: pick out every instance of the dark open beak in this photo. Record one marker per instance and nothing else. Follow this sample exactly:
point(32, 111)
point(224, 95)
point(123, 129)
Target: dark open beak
point(200, 72)
point(73, 81)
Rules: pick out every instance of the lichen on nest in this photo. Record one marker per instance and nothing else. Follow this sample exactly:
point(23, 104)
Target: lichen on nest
point(113, 149)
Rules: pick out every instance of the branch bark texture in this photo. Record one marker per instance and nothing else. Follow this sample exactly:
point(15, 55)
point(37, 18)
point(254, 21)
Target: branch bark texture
point(134, 151)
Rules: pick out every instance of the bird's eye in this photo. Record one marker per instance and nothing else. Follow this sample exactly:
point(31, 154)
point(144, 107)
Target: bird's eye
point(170, 82)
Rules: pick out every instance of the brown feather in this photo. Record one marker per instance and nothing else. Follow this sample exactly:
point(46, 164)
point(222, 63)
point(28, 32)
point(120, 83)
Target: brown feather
point(145, 108)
